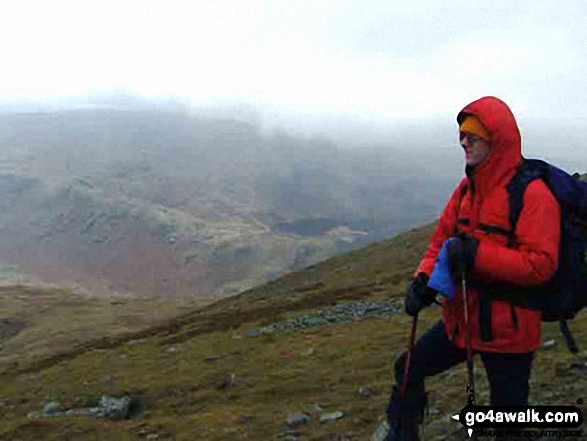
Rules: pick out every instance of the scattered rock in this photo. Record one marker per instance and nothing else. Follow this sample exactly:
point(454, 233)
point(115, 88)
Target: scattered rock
point(27, 377)
point(171, 350)
point(316, 408)
point(11, 327)
point(312, 351)
point(362, 421)
point(34, 415)
point(256, 332)
point(136, 342)
point(244, 419)
point(298, 419)
point(115, 408)
point(579, 368)
point(227, 382)
point(51, 408)
point(364, 392)
point(84, 402)
point(549, 344)
point(109, 378)
point(288, 434)
point(212, 358)
point(333, 416)
point(152, 437)
point(342, 313)
point(382, 430)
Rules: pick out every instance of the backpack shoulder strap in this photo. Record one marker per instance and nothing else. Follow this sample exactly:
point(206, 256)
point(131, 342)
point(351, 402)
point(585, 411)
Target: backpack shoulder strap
point(528, 171)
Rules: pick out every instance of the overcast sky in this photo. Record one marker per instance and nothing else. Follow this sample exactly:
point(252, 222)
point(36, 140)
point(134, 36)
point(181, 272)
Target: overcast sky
point(360, 58)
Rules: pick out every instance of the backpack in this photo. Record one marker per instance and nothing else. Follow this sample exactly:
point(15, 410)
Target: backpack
point(565, 294)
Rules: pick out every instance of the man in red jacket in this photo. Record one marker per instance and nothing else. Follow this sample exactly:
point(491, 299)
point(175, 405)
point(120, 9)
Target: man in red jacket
point(477, 218)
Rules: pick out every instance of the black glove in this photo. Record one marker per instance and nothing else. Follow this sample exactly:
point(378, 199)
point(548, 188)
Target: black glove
point(462, 252)
point(419, 295)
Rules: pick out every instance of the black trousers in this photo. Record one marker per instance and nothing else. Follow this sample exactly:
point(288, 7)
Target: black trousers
point(508, 374)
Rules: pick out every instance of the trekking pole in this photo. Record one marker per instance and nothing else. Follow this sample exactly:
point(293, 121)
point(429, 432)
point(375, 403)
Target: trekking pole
point(404, 386)
point(471, 385)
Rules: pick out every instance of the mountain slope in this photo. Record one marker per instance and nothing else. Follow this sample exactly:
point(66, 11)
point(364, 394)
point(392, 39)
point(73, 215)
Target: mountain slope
point(163, 203)
point(377, 272)
point(204, 376)
point(66, 230)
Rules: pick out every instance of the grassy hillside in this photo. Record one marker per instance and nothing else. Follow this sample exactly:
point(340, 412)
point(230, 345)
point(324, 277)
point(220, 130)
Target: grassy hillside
point(203, 376)
point(375, 272)
point(41, 323)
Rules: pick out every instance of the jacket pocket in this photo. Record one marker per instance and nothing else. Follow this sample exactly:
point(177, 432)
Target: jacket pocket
point(514, 317)
point(504, 326)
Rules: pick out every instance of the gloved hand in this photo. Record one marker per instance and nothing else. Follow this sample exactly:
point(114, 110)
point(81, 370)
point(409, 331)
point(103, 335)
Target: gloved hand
point(462, 252)
point(418, 295)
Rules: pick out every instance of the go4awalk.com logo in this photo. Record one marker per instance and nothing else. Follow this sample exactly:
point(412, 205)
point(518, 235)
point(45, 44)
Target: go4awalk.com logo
point(517, 418)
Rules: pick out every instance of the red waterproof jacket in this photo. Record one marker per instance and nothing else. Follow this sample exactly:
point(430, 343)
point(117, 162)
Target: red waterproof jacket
point(478, 205)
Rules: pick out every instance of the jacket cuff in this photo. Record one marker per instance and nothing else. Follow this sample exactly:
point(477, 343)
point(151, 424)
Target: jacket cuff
point(425, 268)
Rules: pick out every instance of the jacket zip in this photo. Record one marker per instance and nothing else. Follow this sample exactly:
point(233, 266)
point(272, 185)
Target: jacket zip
point(473, 218)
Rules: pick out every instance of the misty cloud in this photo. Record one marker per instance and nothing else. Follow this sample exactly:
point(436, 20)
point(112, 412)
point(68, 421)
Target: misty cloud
point(371, 59)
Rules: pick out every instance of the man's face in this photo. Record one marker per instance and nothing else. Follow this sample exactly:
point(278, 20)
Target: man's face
point(476, 149)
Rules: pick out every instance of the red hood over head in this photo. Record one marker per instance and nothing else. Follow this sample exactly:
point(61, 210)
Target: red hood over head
point(506, 152)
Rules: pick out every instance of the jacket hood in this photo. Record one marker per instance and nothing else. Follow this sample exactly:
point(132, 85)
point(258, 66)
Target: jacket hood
point(506, 152)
